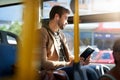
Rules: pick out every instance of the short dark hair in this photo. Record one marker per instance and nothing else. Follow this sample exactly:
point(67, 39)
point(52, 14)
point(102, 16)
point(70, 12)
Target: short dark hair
point(116, 46)
point(58, 10)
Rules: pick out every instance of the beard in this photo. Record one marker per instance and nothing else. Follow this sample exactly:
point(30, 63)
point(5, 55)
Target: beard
point(61, 25)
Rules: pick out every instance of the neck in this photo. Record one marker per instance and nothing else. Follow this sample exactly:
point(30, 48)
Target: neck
point(53, 26)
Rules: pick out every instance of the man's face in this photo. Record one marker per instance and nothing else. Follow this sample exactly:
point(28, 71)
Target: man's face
point(63, 21)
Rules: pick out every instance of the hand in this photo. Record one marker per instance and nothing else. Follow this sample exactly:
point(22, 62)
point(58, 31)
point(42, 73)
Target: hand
point(70, 63)
point(83, 61)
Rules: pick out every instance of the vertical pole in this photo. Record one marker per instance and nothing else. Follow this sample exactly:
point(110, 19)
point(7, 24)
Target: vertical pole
point(76, 31)
point(26, 69)
point(78, 72)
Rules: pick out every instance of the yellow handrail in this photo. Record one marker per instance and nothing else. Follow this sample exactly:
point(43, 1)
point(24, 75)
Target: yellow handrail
point(76, 32)
point(25, 62)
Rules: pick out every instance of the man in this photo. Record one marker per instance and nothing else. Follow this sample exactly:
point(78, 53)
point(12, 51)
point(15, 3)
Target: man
point(54, 50)
point(114, 73)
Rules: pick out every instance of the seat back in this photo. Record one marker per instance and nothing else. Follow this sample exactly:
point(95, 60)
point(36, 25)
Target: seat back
point(100, 69)
point(7, 59)
point(60, 75)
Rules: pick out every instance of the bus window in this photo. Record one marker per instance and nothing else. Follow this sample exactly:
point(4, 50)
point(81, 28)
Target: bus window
point(100, 36)
point(11, 18)
point(10, 28)
point(97, 28)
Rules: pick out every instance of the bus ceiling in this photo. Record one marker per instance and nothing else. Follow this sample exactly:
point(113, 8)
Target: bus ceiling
point(4, 3)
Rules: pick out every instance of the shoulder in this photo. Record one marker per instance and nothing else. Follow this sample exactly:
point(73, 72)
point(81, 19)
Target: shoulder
point(107, 77)
point(42, 30)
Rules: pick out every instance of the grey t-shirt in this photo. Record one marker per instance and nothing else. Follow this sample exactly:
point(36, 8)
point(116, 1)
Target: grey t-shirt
point(60, 46)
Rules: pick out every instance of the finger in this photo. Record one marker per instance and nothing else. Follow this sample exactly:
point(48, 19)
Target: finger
point(81, 58)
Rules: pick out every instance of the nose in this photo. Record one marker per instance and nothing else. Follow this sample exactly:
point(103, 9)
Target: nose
point(66, 22)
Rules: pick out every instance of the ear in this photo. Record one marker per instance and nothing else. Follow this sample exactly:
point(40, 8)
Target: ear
point(57, 16)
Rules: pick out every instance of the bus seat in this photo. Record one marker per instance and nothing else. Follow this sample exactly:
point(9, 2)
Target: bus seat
point(90, 73)
point(82, 72)
point(100, 69)
point(53, 75)
point(7, 59)
point(94, 71)
point(60, 75)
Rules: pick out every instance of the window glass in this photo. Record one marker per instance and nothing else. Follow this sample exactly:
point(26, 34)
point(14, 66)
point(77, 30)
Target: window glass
point(11, 18)
point(86, 7)
point(100, 36)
